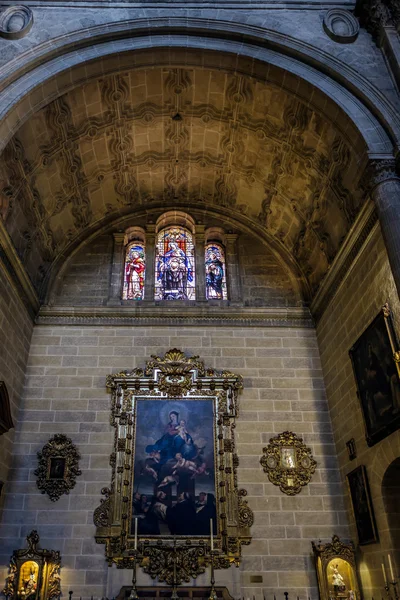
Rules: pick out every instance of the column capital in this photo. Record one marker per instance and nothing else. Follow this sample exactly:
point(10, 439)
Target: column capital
point(119, 237)
point(380, 170)
point(231, 237)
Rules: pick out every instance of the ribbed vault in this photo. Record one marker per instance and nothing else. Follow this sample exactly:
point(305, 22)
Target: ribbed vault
point(181, 135)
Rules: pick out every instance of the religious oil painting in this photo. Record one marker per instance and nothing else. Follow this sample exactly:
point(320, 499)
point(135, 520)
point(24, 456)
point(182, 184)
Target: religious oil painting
point(362, 506)
point(174, 467)
point(135, 271)
point(288, 458)
point(175, 265)
point(377, 377)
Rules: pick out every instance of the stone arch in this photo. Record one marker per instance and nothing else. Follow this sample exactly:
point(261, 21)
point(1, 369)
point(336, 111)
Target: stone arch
point(44, 79)
point(391, 502)
point(64, 260)
point(387, 453)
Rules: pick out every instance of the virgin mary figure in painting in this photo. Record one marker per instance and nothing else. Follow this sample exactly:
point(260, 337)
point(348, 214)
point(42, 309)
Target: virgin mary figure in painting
point(175, 462)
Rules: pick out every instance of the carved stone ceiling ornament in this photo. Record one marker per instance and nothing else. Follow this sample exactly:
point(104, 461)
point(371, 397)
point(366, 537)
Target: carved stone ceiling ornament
point(111, 146)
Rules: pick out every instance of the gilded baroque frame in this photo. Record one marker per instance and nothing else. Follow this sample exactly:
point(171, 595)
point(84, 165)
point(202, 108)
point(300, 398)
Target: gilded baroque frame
point(288, 462)
point(34, 570)
point(173, 560)
point(342, 556)
point(58, 467)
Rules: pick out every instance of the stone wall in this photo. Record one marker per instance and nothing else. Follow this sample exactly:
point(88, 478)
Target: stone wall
point(368, 285)
point(15, 333)
point(283, 389)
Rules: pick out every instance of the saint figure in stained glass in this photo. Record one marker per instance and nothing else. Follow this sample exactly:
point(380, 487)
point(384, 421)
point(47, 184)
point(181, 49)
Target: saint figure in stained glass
point(175, 274)
point(135, 270)
point(215, 272)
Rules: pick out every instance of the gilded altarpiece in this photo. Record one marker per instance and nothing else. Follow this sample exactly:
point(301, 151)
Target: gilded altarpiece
point(174, 500)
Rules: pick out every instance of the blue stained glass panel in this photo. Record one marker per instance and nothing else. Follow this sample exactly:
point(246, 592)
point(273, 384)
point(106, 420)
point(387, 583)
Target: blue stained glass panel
point(175, 265)
point(215, 272)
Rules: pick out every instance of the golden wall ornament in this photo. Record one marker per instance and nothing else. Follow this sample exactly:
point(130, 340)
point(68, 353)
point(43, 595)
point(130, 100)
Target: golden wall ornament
point(34, 573)
point(335, 563)
point(195, 409)
point(58, 467)
point(288, 462)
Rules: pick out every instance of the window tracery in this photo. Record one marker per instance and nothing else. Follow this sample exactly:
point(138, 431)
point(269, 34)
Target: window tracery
point(175, 265)
point(135, 271)
point(215, 268)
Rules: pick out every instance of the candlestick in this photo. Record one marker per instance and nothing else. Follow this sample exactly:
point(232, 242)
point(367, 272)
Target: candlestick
point(212, 535)
point(384, 572)
point(390, 567)
point(136, 529)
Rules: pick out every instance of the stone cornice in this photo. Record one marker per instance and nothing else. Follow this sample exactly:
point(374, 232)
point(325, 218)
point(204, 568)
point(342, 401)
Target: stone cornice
point(16, 273)
point(355, 239)
point(187, 316)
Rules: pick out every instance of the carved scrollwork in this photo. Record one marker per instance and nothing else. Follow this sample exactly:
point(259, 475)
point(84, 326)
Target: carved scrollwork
point(288, 463)
point(246, 516)
point(378, 171)
point(102, 513)
point(180, 379)
point(58, 467)
point(173, 564)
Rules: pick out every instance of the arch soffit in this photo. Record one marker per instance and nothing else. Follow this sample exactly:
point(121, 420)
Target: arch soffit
point(388, 451)
point(236, 222)
point(49, 77)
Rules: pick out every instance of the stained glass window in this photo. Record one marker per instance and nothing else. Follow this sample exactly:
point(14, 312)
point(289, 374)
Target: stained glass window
point(135, 271)
point(215, 272)
point(175, 270)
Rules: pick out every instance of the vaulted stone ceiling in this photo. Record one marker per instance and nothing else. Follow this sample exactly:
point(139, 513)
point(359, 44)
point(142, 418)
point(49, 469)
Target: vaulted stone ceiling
point(197, 136)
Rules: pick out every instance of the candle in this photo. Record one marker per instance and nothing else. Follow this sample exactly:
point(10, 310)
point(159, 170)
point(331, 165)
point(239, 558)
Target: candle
point(384, 572)
point(391, 568)
point(136, 522)
point(212, 535)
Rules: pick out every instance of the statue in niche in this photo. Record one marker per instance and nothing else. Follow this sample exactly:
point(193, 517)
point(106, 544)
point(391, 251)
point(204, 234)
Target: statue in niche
point(337, 579)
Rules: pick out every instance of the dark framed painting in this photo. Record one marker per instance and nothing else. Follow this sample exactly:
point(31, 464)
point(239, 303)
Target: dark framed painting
point(174, 491)
point(362, 506)
point(57, 466)
point(374, 357)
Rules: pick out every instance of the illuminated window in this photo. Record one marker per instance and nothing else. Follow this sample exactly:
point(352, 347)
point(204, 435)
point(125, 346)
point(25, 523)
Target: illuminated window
point(175, 265)
point(215, 272)
point(135, 272)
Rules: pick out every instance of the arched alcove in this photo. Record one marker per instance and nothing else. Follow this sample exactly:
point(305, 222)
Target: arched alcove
point(391, 501)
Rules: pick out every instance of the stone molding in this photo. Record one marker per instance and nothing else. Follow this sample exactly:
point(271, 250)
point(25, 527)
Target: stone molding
point(15, 22)
point(185, 316)
point(358, 234)
point(346, 21)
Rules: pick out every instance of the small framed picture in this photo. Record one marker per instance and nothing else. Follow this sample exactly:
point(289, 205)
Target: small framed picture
point(57, 467)
point(288, 457)
point(362, 506)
